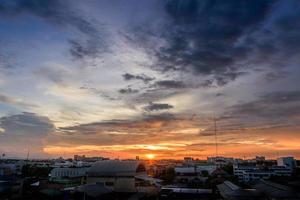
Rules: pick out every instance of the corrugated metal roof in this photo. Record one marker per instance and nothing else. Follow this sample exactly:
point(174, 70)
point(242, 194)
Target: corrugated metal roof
point(276, 190)
point(229, 190)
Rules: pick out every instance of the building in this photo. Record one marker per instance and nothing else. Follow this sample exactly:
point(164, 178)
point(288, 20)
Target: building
point(185, 174)
point(250, 172)
point(288, 162)
point(71, 172)
point(13, 167)
point(260, 158)
point(188, 160)
point(220, 161)
point(121, 175)
point(230, 191)
point(239, 170)
point(88, 159)
point(184, 193)
point(275, 191)
point(79, 157)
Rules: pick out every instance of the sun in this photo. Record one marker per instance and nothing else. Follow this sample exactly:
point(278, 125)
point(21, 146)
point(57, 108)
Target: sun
point(150, 156)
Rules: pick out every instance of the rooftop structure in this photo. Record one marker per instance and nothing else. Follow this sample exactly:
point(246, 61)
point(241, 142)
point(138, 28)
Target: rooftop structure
point(230, 191)
point(120, 176)
point(276, 191)
point(288, 162)
point(59, 173)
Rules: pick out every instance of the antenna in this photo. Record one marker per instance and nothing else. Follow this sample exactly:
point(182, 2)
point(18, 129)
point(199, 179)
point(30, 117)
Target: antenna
point(27, 154)
point(216, 138)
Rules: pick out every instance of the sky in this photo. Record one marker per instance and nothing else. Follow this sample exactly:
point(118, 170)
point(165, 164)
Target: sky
point(126, 78)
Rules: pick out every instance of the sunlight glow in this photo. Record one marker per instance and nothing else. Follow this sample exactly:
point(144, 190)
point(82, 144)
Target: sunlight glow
point(150, 156)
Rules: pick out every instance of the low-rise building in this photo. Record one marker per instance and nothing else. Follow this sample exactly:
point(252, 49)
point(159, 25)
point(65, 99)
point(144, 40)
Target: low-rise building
point(190, 173)
point(250, 172)
point(60, 173)
point(121, 176)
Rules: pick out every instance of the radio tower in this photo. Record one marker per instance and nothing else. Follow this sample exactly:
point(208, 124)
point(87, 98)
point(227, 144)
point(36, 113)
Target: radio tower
point(216, 138)
point(27, 154)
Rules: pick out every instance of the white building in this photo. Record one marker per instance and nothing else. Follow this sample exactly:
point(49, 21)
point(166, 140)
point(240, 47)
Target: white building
point(59, 173)
point(189, 173)
point(248, 173)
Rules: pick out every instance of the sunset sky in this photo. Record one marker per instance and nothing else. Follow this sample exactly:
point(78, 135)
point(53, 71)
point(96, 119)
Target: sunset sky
point(126, 78)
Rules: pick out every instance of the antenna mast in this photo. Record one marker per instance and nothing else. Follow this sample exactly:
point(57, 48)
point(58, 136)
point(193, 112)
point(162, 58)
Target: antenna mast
point(27, 154)
point(216, 138)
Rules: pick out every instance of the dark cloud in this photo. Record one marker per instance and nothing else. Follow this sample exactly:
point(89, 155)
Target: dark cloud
point(220, 94)
point(128, 91)
point(26, 122)
point(281, 105)
point(60, 13)
point(81, 49)
point(22, 132)
point(114, 132)
point(171, 84)
point(274, 76)
point(141, 77)
point(281, 97)
point(205, 35)
point(224, 39)
point(116, 125)
point(155, 94)
point(158, 107)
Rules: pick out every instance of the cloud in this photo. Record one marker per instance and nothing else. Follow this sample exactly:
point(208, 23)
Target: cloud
point(22, 132)
point(128, 91)
point(7, 59)
point(214, 39)
point(170, 84)
point(205, 36)
point(142, 77)
point(60, 13)
point(17, 102)
point(98, 92)
point(55, 73)
point(282, 106)
point(26, 123)
point(157, 107)
point(122, 132)
point(274, 76)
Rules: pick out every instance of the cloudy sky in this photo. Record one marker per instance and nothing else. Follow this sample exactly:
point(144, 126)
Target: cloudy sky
point(121, 78)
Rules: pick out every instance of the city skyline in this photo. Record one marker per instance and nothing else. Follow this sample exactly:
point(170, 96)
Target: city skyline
point(148, 78)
